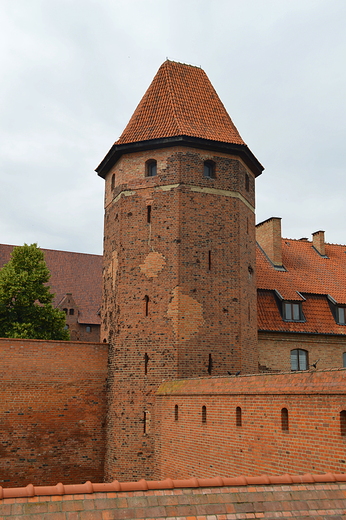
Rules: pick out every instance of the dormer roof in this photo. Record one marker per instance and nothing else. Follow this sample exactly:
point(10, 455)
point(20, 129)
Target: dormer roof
point(180, 107)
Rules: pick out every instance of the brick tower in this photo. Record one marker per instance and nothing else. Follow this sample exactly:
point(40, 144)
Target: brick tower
point(179, 256)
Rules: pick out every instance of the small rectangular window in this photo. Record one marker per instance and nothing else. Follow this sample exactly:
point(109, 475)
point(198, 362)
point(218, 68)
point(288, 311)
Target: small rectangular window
point(299, 359)
point(292, 311)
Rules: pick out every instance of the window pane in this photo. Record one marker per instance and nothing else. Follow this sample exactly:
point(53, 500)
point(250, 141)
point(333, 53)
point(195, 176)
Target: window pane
point(207, 170)
point(296, 313)
point(302, 360)
point(341, 315)
point(294, 360)
point(288, 311)
point(152, 169)
point(344, 360)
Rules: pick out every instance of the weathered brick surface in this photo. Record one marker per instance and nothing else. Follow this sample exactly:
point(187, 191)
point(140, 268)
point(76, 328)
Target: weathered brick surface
point(179, 292)
point(274, 350)
point(313, 443)
point(318, 501)
point(53, 407)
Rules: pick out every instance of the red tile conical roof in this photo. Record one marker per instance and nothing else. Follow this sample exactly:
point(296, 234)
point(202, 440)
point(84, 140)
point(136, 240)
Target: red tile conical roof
point(180, 101)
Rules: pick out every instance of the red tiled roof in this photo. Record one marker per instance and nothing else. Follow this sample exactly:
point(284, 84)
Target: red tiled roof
point(317, 313)
point(180, 101)
point(144, 485)
point(286, 496)
point(77, 273)
point(309, 274)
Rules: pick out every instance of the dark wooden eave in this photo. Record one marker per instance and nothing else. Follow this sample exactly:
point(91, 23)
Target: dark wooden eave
point(195, 142)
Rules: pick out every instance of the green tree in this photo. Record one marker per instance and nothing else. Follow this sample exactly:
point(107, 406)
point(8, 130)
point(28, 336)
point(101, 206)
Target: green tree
point(26, 309)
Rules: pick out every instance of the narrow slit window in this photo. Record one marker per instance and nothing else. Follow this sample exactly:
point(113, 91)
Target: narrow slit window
point(209, 260)
point(343, 423)
point(148, 214)
point(247, 182)
point(144, 422)
point(146, 300)
point(146, 362)
point(284, 420)
point(113, 182)
point(210, 364)
point(204, 414)
point(176, 412)
point(238, 417)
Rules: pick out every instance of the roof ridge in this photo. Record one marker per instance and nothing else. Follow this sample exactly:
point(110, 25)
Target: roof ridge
point(144, 485)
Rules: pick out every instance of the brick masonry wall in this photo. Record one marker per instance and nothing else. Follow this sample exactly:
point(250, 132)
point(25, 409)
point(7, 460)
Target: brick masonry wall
point(52, 411)
point(179, 286)
point(187, 446)
point(275, 349)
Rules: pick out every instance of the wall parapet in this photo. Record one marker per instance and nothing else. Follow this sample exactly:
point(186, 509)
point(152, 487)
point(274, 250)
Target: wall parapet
point(285, 383)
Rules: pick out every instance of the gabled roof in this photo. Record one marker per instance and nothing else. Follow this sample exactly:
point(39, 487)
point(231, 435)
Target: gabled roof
point(180, 101)
point(77, 273)
point(307, 275)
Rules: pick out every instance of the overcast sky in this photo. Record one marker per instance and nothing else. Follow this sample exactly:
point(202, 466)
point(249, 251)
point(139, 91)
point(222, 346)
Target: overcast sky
point(73, 71)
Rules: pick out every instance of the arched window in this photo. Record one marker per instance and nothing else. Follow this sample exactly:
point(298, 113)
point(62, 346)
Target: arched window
point(65, 311)
point(151, 168)
point(176, 412)
point(204, 414)
point(238, 418)
point(284, 420)
point(299, 359)
point(209, 169)
point(343, 423)
point(71, 312)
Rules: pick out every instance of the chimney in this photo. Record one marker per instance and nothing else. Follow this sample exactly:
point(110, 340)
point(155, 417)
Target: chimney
point(318, 242)
point(268, 235)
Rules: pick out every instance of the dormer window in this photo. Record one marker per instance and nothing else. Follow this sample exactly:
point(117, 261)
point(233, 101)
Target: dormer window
point(292, 311)
point(151, 168)
point(209, 169)
point(341, 315)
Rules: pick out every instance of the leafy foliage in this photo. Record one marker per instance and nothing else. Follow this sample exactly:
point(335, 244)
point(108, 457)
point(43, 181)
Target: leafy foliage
point(26, 309)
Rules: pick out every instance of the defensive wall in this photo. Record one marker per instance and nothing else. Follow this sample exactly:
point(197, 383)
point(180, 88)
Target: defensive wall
point(267, 497)
point(52, 411)
point(266, 423)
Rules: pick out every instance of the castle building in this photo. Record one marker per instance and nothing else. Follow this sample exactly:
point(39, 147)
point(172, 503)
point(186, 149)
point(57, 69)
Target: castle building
point(216, 356)
point(301, 301)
